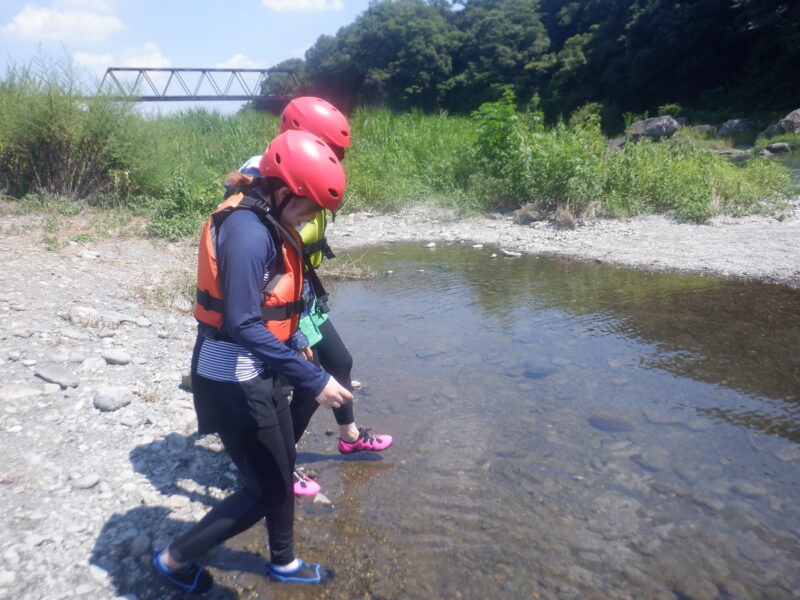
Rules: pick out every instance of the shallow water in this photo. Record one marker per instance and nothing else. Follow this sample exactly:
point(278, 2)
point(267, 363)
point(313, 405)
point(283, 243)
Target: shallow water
point(563, 429)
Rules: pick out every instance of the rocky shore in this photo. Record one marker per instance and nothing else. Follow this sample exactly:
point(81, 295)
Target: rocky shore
point(100, 461)
point(755, 247)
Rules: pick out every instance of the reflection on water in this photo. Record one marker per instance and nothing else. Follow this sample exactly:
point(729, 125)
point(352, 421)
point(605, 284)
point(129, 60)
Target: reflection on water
point(563, 430)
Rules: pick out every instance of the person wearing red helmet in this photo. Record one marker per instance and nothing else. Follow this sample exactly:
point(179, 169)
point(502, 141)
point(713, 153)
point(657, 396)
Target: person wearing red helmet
point(249, 286)
point(321, 118)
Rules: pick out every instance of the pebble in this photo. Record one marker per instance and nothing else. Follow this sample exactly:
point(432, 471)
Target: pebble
point(139, 545)
point(611, 422)
point(116, 356)
point(789, 452)
point(510, 253)
point(56, 374)
point(321, 499)
point(85, 482)
point(112, 397)
point(431, 245)
point(749, 490)
point(664, 418)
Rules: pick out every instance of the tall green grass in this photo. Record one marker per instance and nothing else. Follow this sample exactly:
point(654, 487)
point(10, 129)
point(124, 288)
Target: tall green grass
point(57, 144)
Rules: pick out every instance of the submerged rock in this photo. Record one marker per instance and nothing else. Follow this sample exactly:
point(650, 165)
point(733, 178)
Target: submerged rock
point(611, 422)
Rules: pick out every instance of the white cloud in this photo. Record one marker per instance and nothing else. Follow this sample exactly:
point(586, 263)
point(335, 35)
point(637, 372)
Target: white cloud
point(147, 55)
point(303, 5)
point(97, 63)
point(41, 24)
point(240, 61)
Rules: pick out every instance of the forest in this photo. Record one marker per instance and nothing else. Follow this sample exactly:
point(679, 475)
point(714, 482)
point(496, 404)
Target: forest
point(711, 58)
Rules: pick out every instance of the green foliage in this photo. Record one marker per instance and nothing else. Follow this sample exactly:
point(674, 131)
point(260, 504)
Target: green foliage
point(186, 205)
point(168, 170)
point(793, 139)
point(499, 162)
point(673, 110)
point(52, 139)
point(631, 56)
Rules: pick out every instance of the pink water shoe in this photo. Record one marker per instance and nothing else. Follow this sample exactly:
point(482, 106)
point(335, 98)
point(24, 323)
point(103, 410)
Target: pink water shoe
point(304, 486)
point(365, 441)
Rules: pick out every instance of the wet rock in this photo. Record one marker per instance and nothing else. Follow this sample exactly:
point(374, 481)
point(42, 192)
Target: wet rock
point(654, 460)
point(112, 397)
point(510, 253)
point(611, 422)
point(431, 245)
point(708, 502)
point(696, 587)
point(699, 425)
point(615, 363)
point(754, 549)
point(116, 356)
point(322, 500)
point(56, 374)
point(664, 418)
point(789, 452)
point(749, 490)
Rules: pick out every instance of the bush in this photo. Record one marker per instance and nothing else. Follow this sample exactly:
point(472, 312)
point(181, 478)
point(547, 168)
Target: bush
point(54, 140)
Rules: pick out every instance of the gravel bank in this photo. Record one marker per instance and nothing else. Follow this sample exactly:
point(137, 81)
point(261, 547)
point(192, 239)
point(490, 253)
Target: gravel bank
point(755, 247)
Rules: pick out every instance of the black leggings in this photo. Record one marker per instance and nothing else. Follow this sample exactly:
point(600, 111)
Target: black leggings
point(265, 459)
point(332, 355)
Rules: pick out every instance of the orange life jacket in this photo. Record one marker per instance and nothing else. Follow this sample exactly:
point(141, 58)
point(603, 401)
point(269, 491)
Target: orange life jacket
point(282, 302)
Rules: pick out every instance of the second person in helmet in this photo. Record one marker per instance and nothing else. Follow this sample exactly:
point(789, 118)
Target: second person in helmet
point(319, 117)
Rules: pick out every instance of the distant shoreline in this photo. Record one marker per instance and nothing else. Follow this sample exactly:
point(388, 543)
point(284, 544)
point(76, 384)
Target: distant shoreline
point(754, 247)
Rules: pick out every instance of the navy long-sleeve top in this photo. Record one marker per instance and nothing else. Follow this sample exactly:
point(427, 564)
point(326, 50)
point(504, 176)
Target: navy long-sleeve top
point(247, 255)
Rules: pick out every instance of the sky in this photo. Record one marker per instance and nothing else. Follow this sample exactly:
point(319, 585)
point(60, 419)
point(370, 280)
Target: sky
point(97, 34)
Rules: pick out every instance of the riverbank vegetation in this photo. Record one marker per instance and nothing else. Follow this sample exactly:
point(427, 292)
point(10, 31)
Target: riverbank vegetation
point(60, 151)
point(717, 60)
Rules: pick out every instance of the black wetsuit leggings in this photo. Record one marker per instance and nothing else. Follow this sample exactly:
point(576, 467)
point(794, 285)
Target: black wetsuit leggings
point(265, 459)
point(332, 355)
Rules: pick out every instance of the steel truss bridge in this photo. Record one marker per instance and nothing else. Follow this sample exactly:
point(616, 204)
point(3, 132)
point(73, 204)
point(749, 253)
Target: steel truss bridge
point(182, 85)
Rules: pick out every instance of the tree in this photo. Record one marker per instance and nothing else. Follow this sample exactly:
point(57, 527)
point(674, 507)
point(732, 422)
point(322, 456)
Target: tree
point(397, 53)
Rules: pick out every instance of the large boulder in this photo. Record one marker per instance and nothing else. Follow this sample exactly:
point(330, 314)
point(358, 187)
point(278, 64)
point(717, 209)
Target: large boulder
point(732, 127)
point(788, 124)
point(655, 128)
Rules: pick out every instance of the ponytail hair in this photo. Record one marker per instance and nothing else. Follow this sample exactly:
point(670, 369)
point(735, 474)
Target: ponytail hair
point(237, 182)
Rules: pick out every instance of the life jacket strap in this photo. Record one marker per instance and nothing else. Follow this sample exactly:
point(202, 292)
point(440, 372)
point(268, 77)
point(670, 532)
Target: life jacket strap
point(209, 302)
point(282, 312)
point(321, 245)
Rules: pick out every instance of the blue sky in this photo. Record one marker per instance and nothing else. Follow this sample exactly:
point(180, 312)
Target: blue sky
point(97, 34)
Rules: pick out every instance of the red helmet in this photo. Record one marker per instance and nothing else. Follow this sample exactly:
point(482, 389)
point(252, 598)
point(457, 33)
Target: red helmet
point(307, 165)
point(319, 117)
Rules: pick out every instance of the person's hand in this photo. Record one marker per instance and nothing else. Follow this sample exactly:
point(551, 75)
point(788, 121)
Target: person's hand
point(333, 395)
point(307, 353)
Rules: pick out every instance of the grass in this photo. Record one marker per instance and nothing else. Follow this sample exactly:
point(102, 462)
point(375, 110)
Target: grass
point(60, 154)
